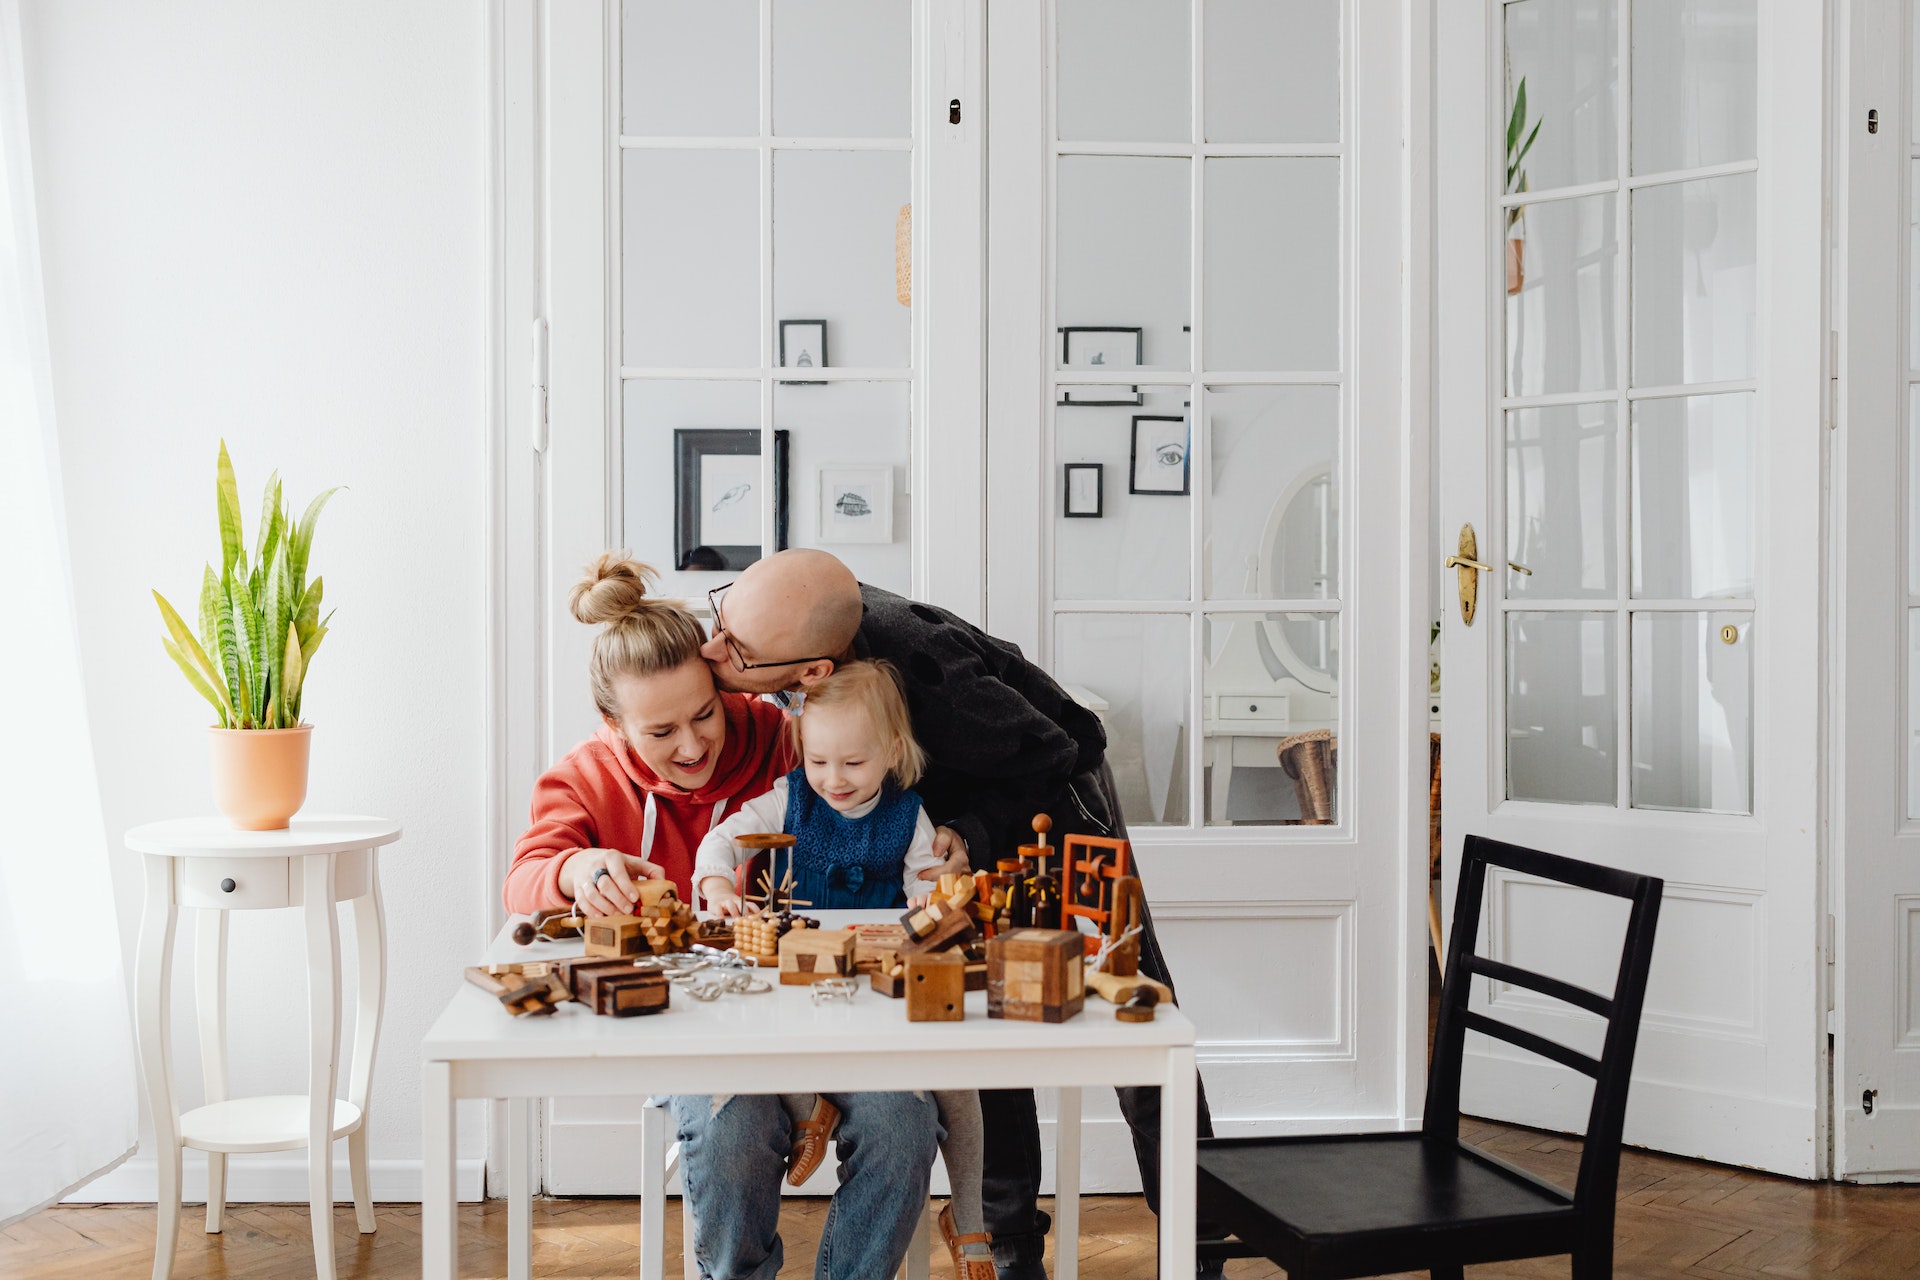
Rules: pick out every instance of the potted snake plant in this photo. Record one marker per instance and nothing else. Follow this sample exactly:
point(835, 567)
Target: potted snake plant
point(259, 628)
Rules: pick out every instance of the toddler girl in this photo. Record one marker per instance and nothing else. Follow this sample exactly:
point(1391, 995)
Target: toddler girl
point(863, 839)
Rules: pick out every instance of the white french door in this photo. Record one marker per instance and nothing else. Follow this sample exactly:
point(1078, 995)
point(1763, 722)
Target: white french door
point(762, 295)
point(1203, 483)
point(1877, 603)
point(1630, 393)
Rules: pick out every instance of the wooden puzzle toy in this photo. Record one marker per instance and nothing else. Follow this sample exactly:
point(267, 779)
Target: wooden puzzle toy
point(1036, 975)
point(615, 936)
point(1035, 900)
point(1120, 989)
point(1091, 868)
point(1140, 1008)
point(935, 927)
point(812, 955)
point(625, 994)
point(554, 924)
point(889, 976)
point(524, 990)
point(871, 941)
point(936, 985)
point(1120, 953)
point(758, 936)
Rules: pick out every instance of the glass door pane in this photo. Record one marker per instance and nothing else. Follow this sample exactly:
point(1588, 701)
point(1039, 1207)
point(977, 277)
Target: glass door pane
point(1135, 671)
point(760, 207)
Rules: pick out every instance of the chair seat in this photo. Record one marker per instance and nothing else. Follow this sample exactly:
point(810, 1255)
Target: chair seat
point(1376, 1203)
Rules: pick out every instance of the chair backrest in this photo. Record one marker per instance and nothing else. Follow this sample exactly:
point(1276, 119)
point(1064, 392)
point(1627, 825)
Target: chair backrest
point(1611, 1071)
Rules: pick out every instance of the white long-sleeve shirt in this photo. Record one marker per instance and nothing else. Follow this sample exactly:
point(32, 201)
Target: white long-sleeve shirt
point(720, 856)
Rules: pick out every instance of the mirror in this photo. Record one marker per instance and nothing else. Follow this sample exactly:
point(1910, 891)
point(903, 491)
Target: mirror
point(1301, 553)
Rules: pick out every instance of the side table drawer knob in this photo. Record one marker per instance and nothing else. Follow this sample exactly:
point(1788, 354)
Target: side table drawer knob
point(233, 884)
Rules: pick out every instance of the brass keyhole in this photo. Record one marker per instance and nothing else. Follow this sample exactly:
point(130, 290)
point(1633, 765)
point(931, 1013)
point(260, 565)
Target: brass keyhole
point(1729, 634)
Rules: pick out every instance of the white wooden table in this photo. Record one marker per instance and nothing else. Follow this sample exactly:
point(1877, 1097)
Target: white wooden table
point(783, 1042)
point(206, 864)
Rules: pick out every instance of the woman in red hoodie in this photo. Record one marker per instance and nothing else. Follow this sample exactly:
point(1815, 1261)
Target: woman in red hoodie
point(674, 757)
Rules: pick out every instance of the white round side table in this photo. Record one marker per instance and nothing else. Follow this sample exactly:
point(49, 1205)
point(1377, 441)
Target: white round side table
point(206, 864)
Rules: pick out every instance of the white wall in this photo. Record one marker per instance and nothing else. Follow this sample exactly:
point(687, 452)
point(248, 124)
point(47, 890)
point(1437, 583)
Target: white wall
point(266, 222)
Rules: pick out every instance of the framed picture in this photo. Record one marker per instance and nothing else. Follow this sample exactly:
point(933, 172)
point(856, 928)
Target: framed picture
point(1158, 463)
point(1086, 490)
point(856, 503)
point(1092, 346)
point(716, 497)
point(803, 345)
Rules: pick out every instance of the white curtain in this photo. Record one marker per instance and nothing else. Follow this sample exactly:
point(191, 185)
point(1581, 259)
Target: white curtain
point(68, 1100)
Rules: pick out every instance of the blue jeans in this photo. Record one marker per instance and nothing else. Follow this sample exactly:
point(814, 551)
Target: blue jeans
point(734, 1155)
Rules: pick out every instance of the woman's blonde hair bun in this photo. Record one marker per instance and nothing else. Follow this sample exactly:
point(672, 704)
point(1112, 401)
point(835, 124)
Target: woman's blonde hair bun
point(614, 589)
point(644, 635)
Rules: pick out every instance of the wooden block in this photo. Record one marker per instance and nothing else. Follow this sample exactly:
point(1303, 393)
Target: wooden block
point(655, 893)
point(871, 941)
point(976, 975)
point(615, 936)
point(625, 995)
point(889, 976)
point(936, 987)
point(951, 928)
point(1120, 988)
point(577, 971)
point(808, 955)
point(1036, 975)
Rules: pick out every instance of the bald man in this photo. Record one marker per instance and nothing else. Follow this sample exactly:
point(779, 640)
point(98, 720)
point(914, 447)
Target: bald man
point(1004, 742)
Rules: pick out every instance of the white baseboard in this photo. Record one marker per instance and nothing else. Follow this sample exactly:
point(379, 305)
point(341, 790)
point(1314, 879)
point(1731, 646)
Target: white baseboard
point(273, 1178)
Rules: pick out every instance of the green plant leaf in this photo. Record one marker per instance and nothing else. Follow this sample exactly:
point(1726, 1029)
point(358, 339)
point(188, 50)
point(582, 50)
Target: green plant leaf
point(301, 536)
point(308, 617)
point(1518, 120)
point(269, 508)
point(184, 642)
point(247, 622)
point(277, 615)
point(294, 667)
point(233, 643)
point(210, 599)
point(197, 680)
point(227, 494)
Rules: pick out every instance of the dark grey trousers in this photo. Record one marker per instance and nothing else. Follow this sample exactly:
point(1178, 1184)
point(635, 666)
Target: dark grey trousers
point(1010, 1187)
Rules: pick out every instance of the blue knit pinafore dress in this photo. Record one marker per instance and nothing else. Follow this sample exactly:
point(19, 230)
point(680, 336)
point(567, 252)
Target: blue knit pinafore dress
point(842, 863)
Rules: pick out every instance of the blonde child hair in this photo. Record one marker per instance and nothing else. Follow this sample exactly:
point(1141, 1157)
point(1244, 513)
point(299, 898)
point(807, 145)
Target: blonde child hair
point(644, 634)
point(874, 687)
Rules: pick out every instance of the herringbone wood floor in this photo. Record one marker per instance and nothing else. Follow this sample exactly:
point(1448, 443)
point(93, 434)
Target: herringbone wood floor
point(1677, 1218)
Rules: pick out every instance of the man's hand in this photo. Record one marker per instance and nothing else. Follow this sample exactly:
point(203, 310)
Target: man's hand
point(948, 846)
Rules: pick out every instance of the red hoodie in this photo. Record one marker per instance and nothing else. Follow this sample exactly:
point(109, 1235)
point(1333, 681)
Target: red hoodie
point(595, 798)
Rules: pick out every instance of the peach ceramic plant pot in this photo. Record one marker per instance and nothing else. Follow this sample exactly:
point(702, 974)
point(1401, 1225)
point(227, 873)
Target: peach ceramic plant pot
point(260, 775)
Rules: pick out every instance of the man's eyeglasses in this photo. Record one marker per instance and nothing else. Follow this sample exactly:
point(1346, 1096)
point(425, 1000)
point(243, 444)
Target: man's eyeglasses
point(739, 659)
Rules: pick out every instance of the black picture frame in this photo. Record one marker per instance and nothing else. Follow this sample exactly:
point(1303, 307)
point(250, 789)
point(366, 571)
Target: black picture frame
point(692, 446)
point(824, 359)
point(1099, 470)
point(1067, 394)
point(1186, 457)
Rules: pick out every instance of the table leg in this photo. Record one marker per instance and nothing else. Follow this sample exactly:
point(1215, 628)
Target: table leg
point(1221, 755)
point(916, 1264)
point(438, 1244)
point(323, 1047)
point(370, 944)
point(210, 1005)
point(653, 1192)
point(1178, 1098)
point(1066, 1186)
point(155, 981)
point(520, 1190)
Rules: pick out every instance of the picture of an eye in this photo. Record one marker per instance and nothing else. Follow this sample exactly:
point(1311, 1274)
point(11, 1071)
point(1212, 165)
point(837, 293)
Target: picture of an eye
point(1171, 454)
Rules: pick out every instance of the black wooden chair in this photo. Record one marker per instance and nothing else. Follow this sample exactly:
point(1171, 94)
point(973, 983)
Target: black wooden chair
point(1371, 1204)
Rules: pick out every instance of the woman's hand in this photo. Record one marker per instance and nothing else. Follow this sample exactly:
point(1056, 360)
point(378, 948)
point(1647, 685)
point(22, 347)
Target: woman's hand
point(947, 844)
point(717, 892)
point(612, 894)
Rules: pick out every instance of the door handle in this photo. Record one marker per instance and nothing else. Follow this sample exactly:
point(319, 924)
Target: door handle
point(1465, 560)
